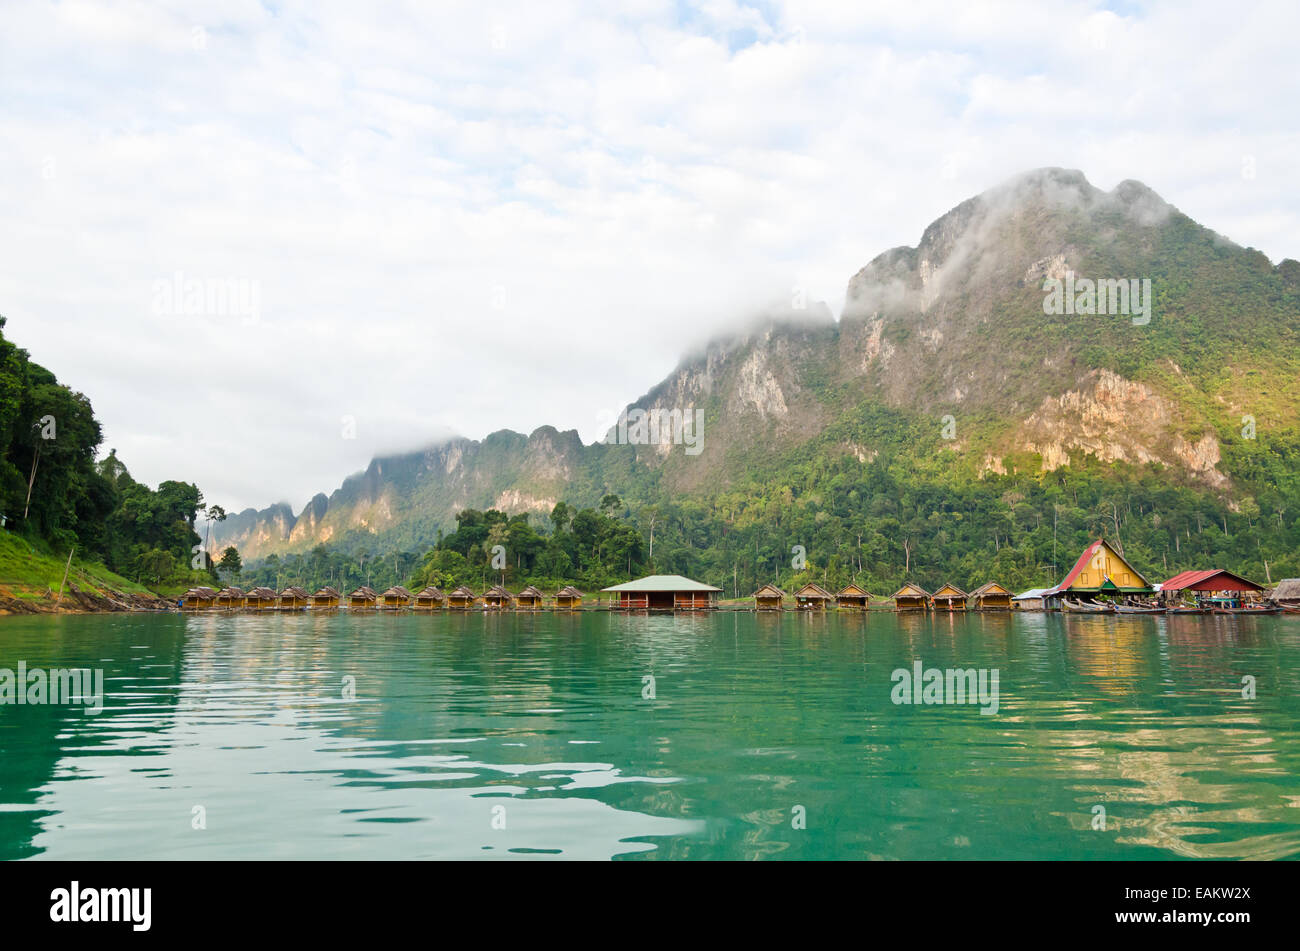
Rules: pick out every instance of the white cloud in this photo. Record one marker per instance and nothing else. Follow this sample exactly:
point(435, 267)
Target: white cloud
point(440, 205)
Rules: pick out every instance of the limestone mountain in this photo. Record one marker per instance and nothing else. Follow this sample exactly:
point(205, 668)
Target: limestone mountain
point(943, 357)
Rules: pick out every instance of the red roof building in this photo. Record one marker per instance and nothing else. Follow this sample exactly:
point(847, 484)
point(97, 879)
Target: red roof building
point(1213, 579)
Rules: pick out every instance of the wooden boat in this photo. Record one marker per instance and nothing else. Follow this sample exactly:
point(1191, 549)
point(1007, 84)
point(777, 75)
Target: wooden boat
point(1137, 609)
point(1260, 610)
point(1080, 607)
point(1188, 609)
point(1290, 608)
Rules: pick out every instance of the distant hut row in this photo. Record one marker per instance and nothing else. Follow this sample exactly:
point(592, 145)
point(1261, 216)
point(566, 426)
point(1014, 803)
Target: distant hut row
point(910, 597)
point(365, 598)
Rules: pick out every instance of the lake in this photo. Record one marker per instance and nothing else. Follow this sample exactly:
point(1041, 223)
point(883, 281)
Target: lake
point(758, 737)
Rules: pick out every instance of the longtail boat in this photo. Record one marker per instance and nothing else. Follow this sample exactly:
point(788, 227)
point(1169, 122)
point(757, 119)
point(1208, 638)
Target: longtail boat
point(1137, 609)
point(1081, 607)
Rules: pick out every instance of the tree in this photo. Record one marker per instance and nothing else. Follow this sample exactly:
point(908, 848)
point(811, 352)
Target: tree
point(230, 561)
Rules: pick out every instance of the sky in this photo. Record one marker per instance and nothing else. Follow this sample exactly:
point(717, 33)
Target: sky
point(271, 240)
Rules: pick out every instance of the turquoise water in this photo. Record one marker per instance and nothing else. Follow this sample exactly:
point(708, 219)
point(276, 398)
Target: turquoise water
point(767, 737)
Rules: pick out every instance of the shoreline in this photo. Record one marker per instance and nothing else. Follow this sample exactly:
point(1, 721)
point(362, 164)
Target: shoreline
point(77, 601)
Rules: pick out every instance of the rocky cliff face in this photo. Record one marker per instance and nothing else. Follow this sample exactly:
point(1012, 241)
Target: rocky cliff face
point(952, 333)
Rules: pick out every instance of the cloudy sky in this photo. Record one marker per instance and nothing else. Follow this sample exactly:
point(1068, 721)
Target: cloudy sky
point(405, 220)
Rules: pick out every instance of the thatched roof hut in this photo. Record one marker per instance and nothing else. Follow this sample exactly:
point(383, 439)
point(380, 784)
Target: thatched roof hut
point(294, 597)
point(197, 599)
point(431, 597)
point(364, 597)
point(949, 597)
point(991, 597)
point(769, 598)
point(853, 596)
point(813, 597)
point(397, 597)
point(568, 597)
point(530, 598)
point(911, 597)
point(498, 597)
point(1287, 591)
point(231, 597)
point(461, 598)
point(326, 597)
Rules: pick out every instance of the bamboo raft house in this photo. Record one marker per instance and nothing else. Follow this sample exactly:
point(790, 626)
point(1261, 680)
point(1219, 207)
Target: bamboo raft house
point(664, 593)
point(568, 598)
point(813, 597)
point(530, 599)
point(852, 596)
point(326, 597)
point(991, 597)
point(769, 598)
point(294, 598)
point(395, 597)
point(911, 597)
point(364, 598)
point(198, 599)
point(949, 598)
point(498, 598)
point(262, 599)
point(430, 599)
point(462, 599)
point(229, 598)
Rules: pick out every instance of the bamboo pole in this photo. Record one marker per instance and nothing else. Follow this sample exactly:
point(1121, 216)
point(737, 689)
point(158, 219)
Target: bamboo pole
point(66, 569)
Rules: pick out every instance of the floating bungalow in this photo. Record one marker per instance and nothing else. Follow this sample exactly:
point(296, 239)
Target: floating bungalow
point(326, 597)
point(769, 598)
point(498, 598)
point(813, 597)
point(395, 597)
point(462, 599)
point(1207, 583)
point(949, 598)
point(664, 593)
point(853, 596)
point(1100, 570)
point(568, 598)
point(261, 599)
point(911, 597)
point(294, 598)
point(430, 599)
point(1031, 600)
point(530, 599)
point(990, 597)
point(364, 598)
point(229, 598)
point(198, 599)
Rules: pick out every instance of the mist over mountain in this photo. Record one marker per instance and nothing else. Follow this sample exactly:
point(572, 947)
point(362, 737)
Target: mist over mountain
point(947, 342)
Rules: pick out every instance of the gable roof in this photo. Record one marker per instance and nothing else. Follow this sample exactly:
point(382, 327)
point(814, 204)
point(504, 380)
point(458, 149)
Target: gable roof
point(327, 592)
point(910, 590)
point(950, 591)
point(768, 591)
point(852, 590)
point(498, 591)
point(991, 587)
point(432, 591)
point(568, 591)
point(661, 583)
point(397, 591)
point(530, 592)
point(1087, 556)
point(463, 592)
point(1033, 594)
point(365, 591)
point(814, 590)
point(295, 592)
point(1205, 581)
point(1288, 589)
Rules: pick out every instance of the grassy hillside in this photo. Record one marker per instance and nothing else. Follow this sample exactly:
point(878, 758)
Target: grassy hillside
point(30, 575)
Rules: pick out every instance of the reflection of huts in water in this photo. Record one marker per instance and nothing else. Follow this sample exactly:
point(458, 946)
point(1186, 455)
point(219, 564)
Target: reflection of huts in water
point(364, 598)
point(530, 599)
point(498, 597)
point(462, 599)
point(991, 597)
point(853, 596)
point(949, 597)
point(1287, 592)
point(769, 598)
point(198, 599)
point(294, 598)
point(430, 599)
point(911, 597)
point(230, 598)
point(1031, 600)
point(326, 597)
point(568, 598)
point(395, 597)
point(813, 597)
